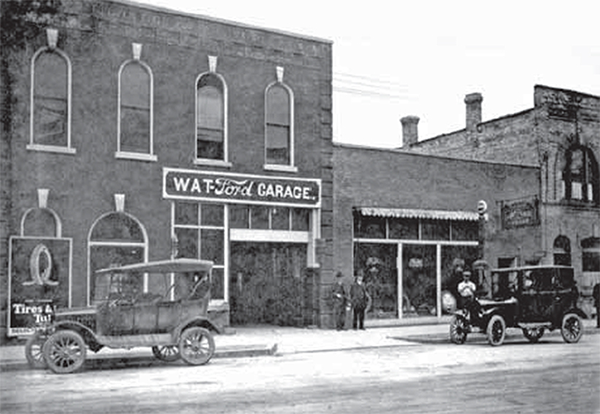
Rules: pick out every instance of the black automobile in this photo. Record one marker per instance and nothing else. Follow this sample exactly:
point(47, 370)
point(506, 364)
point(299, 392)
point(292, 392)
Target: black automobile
point(532, 298)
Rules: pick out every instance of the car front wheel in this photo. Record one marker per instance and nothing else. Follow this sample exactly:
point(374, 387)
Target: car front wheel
point(458, 329)
point(33, 351)
point(571, 328)
point(196, 345)
point(533, 334)
point(496, 330)
point(64, 351)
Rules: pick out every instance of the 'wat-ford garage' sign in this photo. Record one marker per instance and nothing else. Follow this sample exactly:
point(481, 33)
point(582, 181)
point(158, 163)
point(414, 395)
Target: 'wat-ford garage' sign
point(240, 188)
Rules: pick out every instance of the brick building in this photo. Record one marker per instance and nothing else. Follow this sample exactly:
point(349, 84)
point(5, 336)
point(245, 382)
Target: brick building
point(405, 220)
point(560, 136)
point(134, 133)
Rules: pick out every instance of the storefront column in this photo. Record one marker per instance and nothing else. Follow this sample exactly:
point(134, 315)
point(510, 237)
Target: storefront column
point(399, 268)
point(438, 280)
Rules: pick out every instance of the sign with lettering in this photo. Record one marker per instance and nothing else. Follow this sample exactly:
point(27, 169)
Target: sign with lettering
point(241, 188)
point(38, 280)
point(520, 213)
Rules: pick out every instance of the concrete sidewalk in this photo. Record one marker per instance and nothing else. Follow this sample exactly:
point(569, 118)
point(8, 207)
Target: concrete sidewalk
point(252, 341)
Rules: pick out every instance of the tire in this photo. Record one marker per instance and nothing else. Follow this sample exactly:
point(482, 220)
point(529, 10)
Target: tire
point(496, 330)
point(533, 334)
point(166, 353)
point(458, 329)
point(196, 345)
point(571, 328)
point(33, 351)
point(64, 352)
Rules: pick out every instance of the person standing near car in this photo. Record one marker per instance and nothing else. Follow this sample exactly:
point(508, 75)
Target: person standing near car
point(466, 290)
point(359, 297)
point(340, 301)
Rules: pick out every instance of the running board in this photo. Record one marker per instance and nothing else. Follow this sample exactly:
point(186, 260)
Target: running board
point(131, 341)
point(532, 325)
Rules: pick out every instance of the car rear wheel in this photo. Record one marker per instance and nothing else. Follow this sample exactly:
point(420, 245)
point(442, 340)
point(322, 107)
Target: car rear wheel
point(458, 329)
point(496, 330)
point(196, 345)
point(33, 351)
point(571, 328)
point(533, 334)
point(64, 351)
point(167, 353)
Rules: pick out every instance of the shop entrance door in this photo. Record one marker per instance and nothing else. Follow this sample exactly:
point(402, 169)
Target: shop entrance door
point(266, 282)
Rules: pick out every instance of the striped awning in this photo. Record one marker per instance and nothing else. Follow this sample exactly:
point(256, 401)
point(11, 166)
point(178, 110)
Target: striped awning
point(415, 213)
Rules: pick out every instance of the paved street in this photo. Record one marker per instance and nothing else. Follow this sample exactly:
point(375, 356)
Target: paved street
point(518, 377)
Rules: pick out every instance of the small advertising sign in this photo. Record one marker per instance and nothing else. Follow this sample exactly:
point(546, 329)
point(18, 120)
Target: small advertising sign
point(39, 273)
point(520, 213)
point(240, 188)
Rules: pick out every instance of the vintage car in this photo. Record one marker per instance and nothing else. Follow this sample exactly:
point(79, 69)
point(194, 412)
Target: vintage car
point(532, 298)
point(163, 305)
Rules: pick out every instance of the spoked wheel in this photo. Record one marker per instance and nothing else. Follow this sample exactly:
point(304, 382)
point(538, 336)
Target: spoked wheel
point(196, 345)
point(33, 351)
point(64, 351)
point(496, 330)
point(533, 334)
point(167, 353)
point(571, 328)
point(458, 329)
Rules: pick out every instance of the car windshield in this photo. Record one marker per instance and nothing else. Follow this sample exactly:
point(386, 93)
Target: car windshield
point(129, 286)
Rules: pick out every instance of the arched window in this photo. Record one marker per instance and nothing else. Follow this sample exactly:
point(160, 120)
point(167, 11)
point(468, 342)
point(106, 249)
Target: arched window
point(115, 239)
point(278, 128)
point(135, 110)
point(580, 176)
point(50, 100)
point(562, 251)
point(210, 118)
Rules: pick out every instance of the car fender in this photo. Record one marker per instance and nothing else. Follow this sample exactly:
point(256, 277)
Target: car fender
point(576, 311)
point(197, 321)
point(87, 334)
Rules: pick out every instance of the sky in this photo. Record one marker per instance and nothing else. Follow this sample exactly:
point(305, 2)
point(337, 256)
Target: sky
point(421, 57)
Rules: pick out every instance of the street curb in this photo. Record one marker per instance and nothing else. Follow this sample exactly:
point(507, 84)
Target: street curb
point(123, 360)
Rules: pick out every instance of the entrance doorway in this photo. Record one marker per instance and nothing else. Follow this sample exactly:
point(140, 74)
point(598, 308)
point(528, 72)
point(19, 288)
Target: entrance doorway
point(266, 283)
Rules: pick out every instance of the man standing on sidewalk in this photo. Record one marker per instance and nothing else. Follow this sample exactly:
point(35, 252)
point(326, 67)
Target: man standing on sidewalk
point(340, 300)
point(359, 297)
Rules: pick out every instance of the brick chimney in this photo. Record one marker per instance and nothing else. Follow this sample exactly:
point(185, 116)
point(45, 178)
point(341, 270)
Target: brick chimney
point(410, 131)
point(473, 101)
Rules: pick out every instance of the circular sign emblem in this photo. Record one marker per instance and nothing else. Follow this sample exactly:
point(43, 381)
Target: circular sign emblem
point(481, 207)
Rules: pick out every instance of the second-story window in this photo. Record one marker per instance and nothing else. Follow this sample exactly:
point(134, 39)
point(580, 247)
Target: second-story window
point(210, 118)
point(580, 176)
point(50, 98)
point(135, 109)
point(279, 132)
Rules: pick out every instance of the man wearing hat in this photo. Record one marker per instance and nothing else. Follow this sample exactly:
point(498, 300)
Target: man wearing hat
point(340, 301)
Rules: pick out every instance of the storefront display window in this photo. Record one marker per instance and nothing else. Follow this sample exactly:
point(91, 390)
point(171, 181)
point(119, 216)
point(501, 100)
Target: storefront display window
point(429, 249)
point(200, 233)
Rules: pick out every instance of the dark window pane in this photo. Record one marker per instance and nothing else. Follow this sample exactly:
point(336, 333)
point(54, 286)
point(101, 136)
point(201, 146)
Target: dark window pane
point(212, 243)
point(210, 118)
point(50, 100)
point(278, 144)
point(212, 215)
point(135, 130)
point(187, 243)
point(217, 286)
point(371, 228)
point(435, 230)
point(186, 213)
point(300, 219)
point(278, 106)
point(239, 217)
point(117, 227)
point(465, 230)
point(405, 229)
point(280, 218)
point(259, 217)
